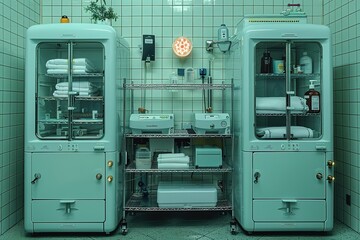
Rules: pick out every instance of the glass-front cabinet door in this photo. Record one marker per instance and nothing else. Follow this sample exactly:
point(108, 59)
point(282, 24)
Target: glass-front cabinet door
point(288, 83)
point(70, 90)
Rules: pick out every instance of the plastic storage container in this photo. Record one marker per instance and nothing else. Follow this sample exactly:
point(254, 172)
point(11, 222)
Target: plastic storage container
point(186, 195)
point(143, 158)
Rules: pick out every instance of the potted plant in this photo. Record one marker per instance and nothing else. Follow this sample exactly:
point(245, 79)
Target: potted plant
point(99, 11)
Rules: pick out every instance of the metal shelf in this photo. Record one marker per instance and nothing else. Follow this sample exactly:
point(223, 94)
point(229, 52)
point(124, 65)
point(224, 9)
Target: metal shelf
point(177, 134)
point(75, 121)
point(138, 202)
point(192, 169)
point(282, 75)
point(75, 75)
point(284, 114)
point(79, 98)
point(177, 86)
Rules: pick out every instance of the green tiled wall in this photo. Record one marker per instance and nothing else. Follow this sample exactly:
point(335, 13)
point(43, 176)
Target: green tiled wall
point(15, 17)
point(197, 20)
point(343, 17)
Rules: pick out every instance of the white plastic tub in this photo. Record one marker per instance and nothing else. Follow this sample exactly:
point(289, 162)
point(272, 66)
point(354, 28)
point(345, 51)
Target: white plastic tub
point(186, 195)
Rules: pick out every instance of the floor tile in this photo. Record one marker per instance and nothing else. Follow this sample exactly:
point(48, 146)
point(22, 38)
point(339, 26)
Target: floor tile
point(182, 226)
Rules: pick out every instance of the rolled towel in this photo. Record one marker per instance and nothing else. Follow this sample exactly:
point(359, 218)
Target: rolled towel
point(280, 132)
point(278, 104)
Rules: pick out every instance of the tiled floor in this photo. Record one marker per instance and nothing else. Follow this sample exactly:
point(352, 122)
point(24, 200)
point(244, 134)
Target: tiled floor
point(173, 226)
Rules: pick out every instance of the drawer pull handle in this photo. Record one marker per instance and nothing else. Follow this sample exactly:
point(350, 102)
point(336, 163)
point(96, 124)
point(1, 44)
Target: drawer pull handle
point(68, 207)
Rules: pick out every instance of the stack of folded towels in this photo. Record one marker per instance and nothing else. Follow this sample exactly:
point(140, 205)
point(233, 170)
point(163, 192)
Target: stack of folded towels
point(79, 66)
point(173, 161)
point(84, 89)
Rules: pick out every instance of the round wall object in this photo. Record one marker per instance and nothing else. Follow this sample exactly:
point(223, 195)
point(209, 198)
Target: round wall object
point(182, 47)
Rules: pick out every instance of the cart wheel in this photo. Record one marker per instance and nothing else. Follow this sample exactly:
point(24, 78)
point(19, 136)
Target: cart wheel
point(123, 226)
point(233, 227)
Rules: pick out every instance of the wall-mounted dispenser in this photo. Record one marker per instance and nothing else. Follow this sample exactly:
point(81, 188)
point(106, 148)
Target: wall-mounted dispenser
point(223, 41)
point(148, 51)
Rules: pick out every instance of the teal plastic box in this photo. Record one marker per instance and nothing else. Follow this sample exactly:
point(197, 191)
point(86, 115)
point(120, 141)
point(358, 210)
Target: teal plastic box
point(208, 157)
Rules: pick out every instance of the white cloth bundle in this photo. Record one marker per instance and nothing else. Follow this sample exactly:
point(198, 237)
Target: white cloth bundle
point(76, 61)
point(184, 159)
point(173, 165)
point(280, 132)
point(278, 105)
point(173, 161)
point(76, 84)
point(60, 93)
point(82, 88)
point(60, 66)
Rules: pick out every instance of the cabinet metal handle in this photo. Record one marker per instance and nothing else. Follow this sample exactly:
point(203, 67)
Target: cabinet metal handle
point(110, 178)
point(110, 163)
point(319, 176)
point(98, 176)
point(331, 163)
point(330, 179)
point(37, 176)
point(256, 176)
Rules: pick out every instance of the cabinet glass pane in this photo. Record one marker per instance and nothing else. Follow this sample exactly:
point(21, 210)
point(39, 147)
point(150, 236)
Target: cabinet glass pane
point(70, 103)
point(282, 78)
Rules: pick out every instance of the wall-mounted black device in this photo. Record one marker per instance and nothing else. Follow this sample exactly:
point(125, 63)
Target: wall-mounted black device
point(148, 53)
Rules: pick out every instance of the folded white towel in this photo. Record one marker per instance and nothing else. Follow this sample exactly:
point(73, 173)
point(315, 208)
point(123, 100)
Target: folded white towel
point(184, 159)
point(75, 84)
point(170, 155)
point(65, 71)
point(278, 104)
point(77, 89)
point(280, 132)
point(173, 165)
point(61, 61)
point(74, 67)
point(59, 92)
point(80, 91)
point(82, 64)
point(56, 66)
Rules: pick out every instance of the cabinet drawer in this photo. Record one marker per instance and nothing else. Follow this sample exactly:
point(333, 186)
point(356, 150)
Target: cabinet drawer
point(68, 211)
point(289, 210)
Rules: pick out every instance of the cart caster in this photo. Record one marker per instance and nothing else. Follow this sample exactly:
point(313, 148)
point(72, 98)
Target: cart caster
point(123, 227)
point(233, 227)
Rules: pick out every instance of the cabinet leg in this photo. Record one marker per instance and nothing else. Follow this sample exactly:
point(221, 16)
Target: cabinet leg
point(233, 226)
point(123, 227)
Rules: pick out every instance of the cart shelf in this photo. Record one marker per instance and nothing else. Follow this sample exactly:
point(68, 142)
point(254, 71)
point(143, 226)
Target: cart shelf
point(138, 202)
point(192, 169)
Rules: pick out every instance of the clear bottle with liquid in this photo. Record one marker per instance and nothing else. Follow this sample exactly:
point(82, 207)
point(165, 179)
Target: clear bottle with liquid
point(173, 80)
point(312, 98)
point(306, 63)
